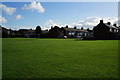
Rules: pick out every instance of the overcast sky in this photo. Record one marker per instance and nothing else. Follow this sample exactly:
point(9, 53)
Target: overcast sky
point(16, 15)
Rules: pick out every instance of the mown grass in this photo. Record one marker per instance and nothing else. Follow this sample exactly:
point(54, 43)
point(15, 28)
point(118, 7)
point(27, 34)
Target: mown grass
point(59, 58)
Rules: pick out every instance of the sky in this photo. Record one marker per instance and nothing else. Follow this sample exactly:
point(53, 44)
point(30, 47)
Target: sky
point(19, 15)
point(61, 0)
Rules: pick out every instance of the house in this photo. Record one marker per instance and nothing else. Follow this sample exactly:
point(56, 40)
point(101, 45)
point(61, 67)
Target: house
point(74, 32)
point(28, 33)
point(12, 33)
point(8, 32)
point(105, 31)
point(45, 31)
point(5, 33)
point(44, 34)
point(54, 32)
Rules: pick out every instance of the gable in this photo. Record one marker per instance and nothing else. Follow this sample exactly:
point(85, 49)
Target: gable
point(101, 27)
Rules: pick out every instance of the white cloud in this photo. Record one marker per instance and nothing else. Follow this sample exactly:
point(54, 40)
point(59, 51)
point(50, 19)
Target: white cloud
point(52, 23)
point(49, 23)
point(111, 19)
point(7, 10)
point(17, 17)
point(2, 20)
point(90, 22)
point(34, 6)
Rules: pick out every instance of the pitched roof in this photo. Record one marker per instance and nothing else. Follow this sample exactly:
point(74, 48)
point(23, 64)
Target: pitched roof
point(111, 26)
point(72, 29)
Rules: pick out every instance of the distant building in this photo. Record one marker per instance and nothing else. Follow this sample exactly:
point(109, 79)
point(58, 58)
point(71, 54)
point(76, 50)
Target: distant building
point(5, 33)
point(28, 33)
point(45, 31)
point(74, 32)
point(12, 32)
point(8, 32)
point(56, 32)
point(105, 31)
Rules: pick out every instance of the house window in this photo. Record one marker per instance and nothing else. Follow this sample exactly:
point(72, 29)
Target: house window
point(110, 30)
point(71, 33)
point(81, 33)
point(115, 30)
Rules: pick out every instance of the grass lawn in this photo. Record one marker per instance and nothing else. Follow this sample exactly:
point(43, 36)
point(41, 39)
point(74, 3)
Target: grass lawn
point(59, 58)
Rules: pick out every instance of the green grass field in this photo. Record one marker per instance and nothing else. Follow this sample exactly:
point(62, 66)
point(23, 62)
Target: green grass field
point(59, 58)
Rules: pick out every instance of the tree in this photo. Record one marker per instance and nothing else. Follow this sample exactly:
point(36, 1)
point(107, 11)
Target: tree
point(38, 31)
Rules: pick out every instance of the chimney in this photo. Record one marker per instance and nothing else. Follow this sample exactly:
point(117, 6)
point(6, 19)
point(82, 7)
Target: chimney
point(81, 28)
point(51, 27)
point(66, 26)
point(101, 21)
point(75, 27)
point(115, 25)
point(108, 23)
point(88, 29)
